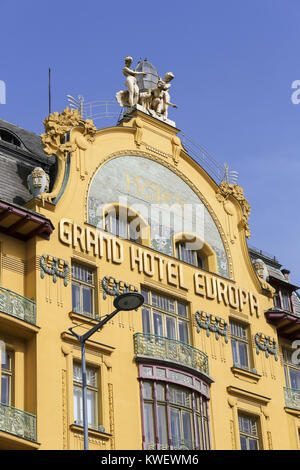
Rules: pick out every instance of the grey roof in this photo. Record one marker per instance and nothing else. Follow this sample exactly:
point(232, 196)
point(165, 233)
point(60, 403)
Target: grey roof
point(17, 162)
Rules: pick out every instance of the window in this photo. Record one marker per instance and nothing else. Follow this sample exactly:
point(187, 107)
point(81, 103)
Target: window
point(174, 417)
point(183, 253)
point(239, 345)
point(282, 299)
point(249, 436)
point(164, 316)
point(7, 136)
point(92, 395)
point(124, 222)
point(6, 376)
point(291, 370)
point(83, 290)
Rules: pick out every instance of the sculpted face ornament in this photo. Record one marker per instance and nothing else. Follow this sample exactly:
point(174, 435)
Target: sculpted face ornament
point(146, 89)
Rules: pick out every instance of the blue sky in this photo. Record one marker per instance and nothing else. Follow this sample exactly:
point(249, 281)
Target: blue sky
point(234, 62)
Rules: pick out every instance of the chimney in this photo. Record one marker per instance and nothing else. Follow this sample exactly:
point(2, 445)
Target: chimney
point(286, 274)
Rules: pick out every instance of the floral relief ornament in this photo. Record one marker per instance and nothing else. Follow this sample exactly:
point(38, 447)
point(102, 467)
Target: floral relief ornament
point(225, 190)
point(56, 127)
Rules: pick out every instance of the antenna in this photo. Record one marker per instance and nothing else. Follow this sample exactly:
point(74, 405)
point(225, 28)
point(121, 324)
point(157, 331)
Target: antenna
point(76, 103)
point(49, 89)
point(231, 176)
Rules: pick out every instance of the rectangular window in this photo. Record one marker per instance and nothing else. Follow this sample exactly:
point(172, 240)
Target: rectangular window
point(92, 395)
point(249, 435)
point(239, 345)
point(174, 417)
point(83, 290)
point(6, 377)
point(291, 370)
point(164, 316)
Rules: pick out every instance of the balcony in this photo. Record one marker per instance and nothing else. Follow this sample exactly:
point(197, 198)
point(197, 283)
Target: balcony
point(292, 398)
point(17, 306)
point(170, 350)
point(17, 422)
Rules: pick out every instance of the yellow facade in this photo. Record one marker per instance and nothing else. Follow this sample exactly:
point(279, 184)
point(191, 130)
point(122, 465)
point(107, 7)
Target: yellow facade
point(44, 352)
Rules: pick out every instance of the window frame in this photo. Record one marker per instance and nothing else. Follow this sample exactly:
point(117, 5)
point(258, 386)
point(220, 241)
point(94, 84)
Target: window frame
point(114, 210)
point(165, 315)
point(95, 389)
point(199, 407)
point(9, 373)
point(240, 340)
point(248, 435)
point(289, 366)
point(85, 284)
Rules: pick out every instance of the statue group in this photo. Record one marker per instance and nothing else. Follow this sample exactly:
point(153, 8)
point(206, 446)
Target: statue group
point(154, 99)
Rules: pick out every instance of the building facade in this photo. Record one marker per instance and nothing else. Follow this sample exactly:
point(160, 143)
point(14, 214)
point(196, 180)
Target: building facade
point(210, 359)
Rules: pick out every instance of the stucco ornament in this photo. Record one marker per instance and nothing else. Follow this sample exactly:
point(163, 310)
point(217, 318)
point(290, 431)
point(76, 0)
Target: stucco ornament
point(38, 181)
point(145, 88)
point(54, 141)
point(225, 190)
point(263, 274)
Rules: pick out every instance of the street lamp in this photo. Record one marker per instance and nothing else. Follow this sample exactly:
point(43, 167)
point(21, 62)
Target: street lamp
point(127, 301)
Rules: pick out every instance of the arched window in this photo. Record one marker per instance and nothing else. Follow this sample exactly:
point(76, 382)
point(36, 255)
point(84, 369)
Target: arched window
point(191, 249)
point(124, 222)
point(7, 136)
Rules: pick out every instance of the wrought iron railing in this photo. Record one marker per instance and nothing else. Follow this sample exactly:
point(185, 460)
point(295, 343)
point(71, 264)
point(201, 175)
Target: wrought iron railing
point(170, 349)
point(292, 398)
point(17, 422)
point(18, 306)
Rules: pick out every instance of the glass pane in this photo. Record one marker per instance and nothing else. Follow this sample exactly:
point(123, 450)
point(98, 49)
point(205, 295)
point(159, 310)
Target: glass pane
point(181, 309)
point(253, 444)
point(158, 326)
point(243, 443)
point(78, 405)
point(234, 351)
point(75, 297)
point(160, 392)
point(243, 354)
point(5, 384)
point(146, 320)
point(87, 299)
point(148, 423)
point(162, 425)
point(199, 433)
point(175, 427)
point(183, 331)
point(147, 390)
point(5, 360)
point(145, 294)
point(91, 407)
point(171, 331)
point(187, 429)
point(295, 378)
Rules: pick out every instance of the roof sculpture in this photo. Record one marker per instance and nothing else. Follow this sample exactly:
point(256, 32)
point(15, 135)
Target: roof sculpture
point(146, 89)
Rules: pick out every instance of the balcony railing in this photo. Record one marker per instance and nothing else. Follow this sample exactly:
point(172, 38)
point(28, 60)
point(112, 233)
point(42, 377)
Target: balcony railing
point(170, 349)
point(177, 444)
point(17, 306)
point(292, 398)
point(17, 422)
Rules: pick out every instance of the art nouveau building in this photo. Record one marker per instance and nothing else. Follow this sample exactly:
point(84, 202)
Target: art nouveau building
point(208, 362)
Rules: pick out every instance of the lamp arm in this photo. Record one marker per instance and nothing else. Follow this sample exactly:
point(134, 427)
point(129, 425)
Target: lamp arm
point(98, 326)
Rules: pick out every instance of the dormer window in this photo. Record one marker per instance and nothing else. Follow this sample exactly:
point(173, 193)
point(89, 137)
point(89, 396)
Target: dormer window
point(124, 222)
point(7, 136)
point(184, 253)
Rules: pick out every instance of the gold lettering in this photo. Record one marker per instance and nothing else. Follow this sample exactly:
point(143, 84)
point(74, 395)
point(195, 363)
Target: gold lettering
point(136, 258)
point(172, 273)
point(148, 264)
point(181, 283)
point(78, 236)
point(91, 240)
point(117, 251)
point(160, 267)
point(199, 284)
point(254, 304)
point(243, 298)
point(222, 291)
point(211, 287)
point(233, 296)
point(65, 231)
